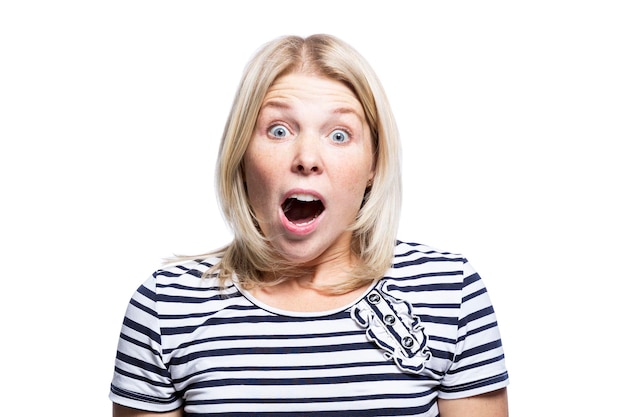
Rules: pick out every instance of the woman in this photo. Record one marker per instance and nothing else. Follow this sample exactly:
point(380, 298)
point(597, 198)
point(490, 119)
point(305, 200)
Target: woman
point(314, 308)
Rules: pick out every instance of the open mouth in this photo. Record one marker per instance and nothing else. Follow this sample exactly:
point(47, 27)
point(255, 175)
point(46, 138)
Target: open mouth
point(302, 209)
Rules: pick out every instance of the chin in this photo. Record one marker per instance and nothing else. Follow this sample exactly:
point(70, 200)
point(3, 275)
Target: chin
point(300, 258)
point(298, 252)
point(307, 253)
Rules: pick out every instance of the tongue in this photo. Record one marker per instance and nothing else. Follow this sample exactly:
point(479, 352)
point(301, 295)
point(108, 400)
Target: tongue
point(300, 212)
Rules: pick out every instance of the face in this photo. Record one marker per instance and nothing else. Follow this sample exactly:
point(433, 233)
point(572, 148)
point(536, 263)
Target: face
point(307, 167)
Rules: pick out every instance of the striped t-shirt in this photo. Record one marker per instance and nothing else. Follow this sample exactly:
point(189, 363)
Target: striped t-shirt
point(427, 330)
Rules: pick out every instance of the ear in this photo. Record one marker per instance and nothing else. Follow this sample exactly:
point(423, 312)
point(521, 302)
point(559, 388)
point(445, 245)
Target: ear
point(370, 177)
point(372, 172)
point(242, 171)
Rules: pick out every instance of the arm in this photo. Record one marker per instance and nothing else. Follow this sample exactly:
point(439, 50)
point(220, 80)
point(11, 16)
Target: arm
point(121, 411)
point(140, 372)
point(490, 404)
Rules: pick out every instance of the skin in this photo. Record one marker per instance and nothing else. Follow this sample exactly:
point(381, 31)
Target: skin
point(293, 147)
point(491, 404)
point(121, 411)
point(311, 138)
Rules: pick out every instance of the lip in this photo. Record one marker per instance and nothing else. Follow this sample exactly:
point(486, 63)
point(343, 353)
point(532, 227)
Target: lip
point(304, 229)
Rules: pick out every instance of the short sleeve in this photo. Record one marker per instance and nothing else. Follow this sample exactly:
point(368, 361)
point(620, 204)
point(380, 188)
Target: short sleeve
point(478, 365)
point(141, 379)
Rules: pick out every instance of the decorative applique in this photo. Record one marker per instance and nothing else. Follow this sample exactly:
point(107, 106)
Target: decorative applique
point(392, 326)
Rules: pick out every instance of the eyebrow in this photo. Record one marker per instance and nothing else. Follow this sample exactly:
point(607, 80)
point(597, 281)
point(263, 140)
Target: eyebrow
point(346, 110)
point(275, 103)
point(279, 104)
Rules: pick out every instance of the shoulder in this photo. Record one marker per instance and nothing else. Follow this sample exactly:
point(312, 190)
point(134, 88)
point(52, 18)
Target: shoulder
point(412, 248)
point(196, 268)
point(410, 258)
point(188, 278)
point(424, 275)
point(180, 293)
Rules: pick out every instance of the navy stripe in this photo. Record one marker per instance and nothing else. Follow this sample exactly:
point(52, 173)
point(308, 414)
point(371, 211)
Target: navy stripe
point(191, 271)
point(142, 378)
point(496, 344)
point(166, 273)
point(142, 364)
point(278, 350)
point(427, 287)
point(425, 275)
point(442, 354)
point(156, 337)
point(143, 307)
point(359, 365)
point(139, 344)
point(323, 380)
point(206, 314)
point(188, 287)
point(424, 260)
point(164, 298)
point(372, 412)
point(476, 365)
point(310, 400)
point(214, 321)
point(143, 290)
point(471, 279)
point(474, 295)
point(425, 318)
point(446, 306)
point(478, 384)
point(477, 330)
point(476, 316)
point(265, 337)
point(142, 397)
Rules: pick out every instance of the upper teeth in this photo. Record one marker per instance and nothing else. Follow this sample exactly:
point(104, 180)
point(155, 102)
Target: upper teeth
point(304, 197)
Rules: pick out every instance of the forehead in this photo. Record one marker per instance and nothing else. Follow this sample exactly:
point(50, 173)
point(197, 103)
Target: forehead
point(298, 87)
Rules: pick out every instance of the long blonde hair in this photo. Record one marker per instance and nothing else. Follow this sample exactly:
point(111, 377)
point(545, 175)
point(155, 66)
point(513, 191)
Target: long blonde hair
point(249, 255)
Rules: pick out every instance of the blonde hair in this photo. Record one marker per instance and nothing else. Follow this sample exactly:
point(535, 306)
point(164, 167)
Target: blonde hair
point(249, 255)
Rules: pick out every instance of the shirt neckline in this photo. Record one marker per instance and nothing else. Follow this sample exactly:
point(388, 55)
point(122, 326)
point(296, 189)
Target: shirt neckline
point(290, 313)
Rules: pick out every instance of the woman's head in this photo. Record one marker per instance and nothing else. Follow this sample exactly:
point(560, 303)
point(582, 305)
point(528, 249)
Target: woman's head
point(374, 227)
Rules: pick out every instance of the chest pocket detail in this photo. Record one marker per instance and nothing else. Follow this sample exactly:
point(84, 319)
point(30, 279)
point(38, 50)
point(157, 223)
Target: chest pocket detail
point(392, 325)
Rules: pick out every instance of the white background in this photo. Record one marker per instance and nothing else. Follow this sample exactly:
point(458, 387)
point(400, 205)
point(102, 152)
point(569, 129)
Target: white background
point(512, 118)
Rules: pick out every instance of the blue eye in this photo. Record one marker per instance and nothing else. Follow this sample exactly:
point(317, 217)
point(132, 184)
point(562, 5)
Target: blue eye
point(278, 131)
point(339, 136)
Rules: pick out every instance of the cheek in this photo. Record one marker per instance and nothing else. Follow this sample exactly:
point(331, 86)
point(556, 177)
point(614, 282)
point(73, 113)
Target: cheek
point(358, 172)
point(259, 178)
point(352, 186)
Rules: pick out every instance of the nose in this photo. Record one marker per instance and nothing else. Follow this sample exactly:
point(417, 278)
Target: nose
point(307, 156)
